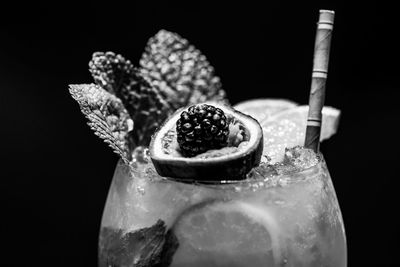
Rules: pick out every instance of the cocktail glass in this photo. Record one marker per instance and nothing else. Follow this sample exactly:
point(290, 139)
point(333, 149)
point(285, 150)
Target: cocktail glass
point(281, 215)
point(284, 213)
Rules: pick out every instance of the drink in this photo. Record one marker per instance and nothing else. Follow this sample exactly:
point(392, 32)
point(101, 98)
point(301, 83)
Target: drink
point(281, 215)
point(215, 186)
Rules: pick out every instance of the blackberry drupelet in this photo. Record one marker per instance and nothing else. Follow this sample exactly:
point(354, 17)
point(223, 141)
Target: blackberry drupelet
point(202, 127)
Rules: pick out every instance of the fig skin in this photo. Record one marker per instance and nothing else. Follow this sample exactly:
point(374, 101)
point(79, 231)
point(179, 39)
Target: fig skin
point(222, 168)
point(231, 169)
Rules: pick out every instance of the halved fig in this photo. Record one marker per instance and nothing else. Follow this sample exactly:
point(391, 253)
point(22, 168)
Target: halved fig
point(207, 142)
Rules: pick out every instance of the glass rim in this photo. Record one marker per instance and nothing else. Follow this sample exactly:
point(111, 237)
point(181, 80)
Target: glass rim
point(248, 180)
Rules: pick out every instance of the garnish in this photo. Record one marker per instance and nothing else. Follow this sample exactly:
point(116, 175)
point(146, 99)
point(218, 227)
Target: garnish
point(179, 71)
point(147, 247)
point(143, 103)
point(234, 155)
point(202, 127)
point(107, 116)
point(173, 74)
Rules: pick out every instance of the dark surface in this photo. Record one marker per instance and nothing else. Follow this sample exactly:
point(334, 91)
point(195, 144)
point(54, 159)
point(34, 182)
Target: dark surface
point(55, 173)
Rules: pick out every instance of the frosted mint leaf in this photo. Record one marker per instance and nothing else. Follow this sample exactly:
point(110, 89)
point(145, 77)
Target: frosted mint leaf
point(107, 116)
point(112, 72)
point(143, 102)
point(179, 71)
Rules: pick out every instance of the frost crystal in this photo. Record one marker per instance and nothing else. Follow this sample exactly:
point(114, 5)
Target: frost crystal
point(107, 116)
point(179, 71)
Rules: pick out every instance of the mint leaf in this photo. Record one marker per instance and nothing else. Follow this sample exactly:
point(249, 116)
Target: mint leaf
point(171, 244)
point(152, 246)
point(107, 116)
point(179, 71)
point(144, 104)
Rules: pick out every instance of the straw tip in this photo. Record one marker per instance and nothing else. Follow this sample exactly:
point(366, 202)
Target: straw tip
point(327, 11)
point(326, 16)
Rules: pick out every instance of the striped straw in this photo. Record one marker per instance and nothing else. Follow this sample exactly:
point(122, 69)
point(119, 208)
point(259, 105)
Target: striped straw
point(319, 76)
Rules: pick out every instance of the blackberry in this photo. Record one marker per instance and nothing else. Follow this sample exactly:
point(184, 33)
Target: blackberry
point(202, 127)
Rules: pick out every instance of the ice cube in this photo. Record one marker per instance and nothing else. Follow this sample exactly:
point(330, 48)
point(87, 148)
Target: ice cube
point(301, 158)
point(263, 171)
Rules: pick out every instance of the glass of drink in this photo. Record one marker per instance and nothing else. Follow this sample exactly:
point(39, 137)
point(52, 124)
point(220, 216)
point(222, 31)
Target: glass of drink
point(284, 214)
point(217, 185)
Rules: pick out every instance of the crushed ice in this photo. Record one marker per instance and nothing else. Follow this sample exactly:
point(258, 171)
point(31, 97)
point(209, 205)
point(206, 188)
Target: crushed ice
point(300, 157)
point(295, 159)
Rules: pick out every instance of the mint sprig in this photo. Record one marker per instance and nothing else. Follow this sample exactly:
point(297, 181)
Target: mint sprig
point(107, 116)
point(173, 74)
point(145, 106)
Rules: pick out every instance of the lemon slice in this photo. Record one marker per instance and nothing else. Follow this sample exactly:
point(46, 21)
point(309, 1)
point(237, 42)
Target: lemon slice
point(235, 233)
point(287, 129)
point(261, 109)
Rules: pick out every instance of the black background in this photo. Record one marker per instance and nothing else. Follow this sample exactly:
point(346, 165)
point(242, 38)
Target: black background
point(55, 173)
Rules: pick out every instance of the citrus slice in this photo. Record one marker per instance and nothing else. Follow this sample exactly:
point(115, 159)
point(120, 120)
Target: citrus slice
point(261, 109)
point(288, 128)
point(228, 163)
point(235, 233)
